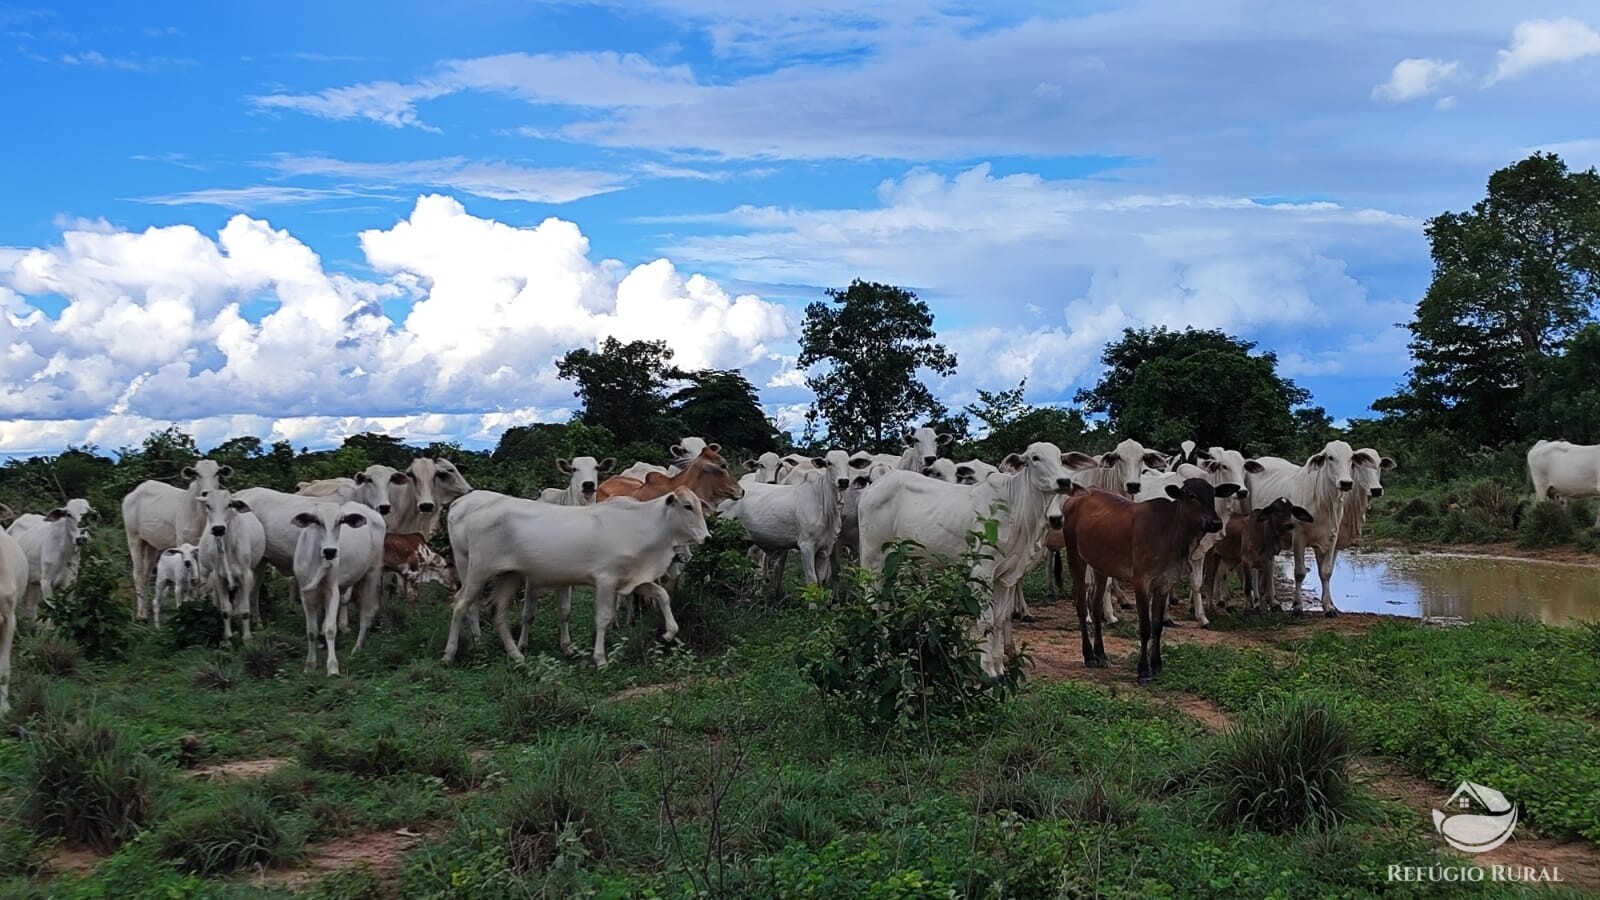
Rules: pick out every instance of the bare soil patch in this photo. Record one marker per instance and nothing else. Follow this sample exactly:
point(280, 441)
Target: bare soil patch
point(238, 769)
point(74, 860)
point(381, 851)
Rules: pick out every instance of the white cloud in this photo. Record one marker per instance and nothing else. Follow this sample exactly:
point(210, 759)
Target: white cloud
point(1544, 42)
point(1413, 79)
point(252, 197)
point(154, 329)
point(494, 180)
point(385, 102)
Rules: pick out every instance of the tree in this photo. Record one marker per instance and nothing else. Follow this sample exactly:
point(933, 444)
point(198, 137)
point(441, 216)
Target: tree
point(1513, 279)
point(1566, 401)
point(382, 449)
point(874, 338)
point(722, 406)
point(623, 386)
point(1013, 424)
point(1163, 387)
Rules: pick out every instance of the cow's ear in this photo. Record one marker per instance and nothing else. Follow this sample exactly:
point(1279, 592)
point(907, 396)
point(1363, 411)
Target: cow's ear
point(353, 520)
point(606, 465)
point(563, 466)
point(1077, 462)
point(1364, 459)
point(361, 478)
point(1387, 464)
point(1174, 491)
point(1155, 460)
point(1263, 514)
point(677, 450)
point(910, 438)
point(1301, 513)
point(1226, 489)
point(860, 462)
point(672, 500)
point(714, 448)
point(963, 471)
point(1316, 460)
point(239, 506)
point(189, 472)
point(819, 462)
point(750, 463)
point(944, 439)
point(1253, 467)
point(1109, 460)
point(1211, 465)
point(304, 520)
point(399, 478)
point(1013, 461)
point(1202, 454)
point(57, 514)
point(224, 472)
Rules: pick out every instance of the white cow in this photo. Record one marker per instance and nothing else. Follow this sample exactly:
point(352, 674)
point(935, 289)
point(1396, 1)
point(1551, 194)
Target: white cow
point(276, 512)
point(177, 570)
point(973, 471)
point(763, 469)
point(233, 552)
point(1321, 486)
point(619, 547)
point(1564, 471)
point(922, 447)
point(943, 469)
point(583, 476)
point(157, 516)
point(685, 450)
point(78, 508)
point(430, 486)
point(803, 516)
point(640, 470)
point(373, 486)
point(51, 550)
point(1369, 484)
point(836, 463)
point(338, 558)
point(13, 584)
point(939, 516)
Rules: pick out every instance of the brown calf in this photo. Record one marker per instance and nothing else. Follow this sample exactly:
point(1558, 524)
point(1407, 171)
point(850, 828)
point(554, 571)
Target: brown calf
point(1146, 545)
point(409, 557)
point(707, 476)
point(1250, 543)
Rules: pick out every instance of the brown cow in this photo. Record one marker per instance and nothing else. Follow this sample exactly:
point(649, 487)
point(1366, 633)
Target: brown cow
point(1146, 545)
point(410, 557)
point(1250, 543)
point(707, 476)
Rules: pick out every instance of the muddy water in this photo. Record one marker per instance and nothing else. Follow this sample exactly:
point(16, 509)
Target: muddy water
point(1449, 586)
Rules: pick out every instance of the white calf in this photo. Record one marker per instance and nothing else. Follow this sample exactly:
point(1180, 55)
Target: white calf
point(177, 570)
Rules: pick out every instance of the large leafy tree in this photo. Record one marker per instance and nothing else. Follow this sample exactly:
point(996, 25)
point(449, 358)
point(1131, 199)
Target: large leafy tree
point(1163, 387)
point(1513, 279)
point(1012, 423)
point(722, 406)
point(873, 339)
point(622, 386)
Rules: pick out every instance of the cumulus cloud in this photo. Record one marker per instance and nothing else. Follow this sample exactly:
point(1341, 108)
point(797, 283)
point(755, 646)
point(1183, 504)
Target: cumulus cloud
point(1544, 42)
point(1413, 79)
point(248, 332)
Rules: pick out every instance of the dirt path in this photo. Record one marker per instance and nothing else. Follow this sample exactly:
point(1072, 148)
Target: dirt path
point(238, 769)
point(381, 851)
point(1057, 653)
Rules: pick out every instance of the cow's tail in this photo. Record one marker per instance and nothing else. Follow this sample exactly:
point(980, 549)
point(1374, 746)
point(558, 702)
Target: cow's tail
point(1059, 584)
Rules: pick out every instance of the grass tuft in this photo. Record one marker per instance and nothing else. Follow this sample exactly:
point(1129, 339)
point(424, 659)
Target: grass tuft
point(1286, 767)
point(57, 657)
point(87, 782)
point(219, 674)
point(239, 831)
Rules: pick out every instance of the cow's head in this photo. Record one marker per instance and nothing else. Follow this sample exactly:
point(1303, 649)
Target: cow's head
point(206, 475)
point(1042, 465)
point(1335, 463)
point(941, 469)
point(686, 515)
point(435, 482)
point(926, 442)
point(1225, 466)
point(1196, 502)
point(765, 467)
point(688, 448)
point(1369, 476)
point(221, 509)
point(710, 478)
point(81, 511)
point(373, 484)
point(1278, 518)
point(583, 473)
point(317, 548)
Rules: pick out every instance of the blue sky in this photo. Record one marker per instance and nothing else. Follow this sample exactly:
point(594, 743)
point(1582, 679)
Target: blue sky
point(304, 220)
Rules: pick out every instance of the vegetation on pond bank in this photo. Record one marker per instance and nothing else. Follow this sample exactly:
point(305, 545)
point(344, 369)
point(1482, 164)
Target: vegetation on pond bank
point(740, 779)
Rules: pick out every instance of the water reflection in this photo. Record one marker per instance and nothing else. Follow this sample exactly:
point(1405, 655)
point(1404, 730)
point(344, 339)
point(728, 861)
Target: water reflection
point(1449, 585)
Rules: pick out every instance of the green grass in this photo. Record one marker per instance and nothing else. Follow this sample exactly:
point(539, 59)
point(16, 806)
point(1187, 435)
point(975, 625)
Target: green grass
point(742, 781)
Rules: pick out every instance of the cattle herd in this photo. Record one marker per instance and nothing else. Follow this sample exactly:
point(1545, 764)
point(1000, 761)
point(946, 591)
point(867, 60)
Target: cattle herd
point(1133, 516)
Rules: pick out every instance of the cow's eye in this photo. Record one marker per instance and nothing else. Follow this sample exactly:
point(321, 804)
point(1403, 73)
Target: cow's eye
point(1036, 457)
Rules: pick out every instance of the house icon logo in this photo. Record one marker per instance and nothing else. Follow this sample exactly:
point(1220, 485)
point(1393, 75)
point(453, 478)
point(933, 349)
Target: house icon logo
point(1476, 819)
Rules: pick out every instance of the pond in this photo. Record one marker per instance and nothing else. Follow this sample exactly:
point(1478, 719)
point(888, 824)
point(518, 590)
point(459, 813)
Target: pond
point(1455, 586)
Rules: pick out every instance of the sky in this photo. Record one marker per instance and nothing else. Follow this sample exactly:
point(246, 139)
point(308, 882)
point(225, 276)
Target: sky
point(307, 220)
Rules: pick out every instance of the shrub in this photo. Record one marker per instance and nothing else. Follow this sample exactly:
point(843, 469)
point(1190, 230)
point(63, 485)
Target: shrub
point(1546, 524)
point(549, 825)
point(384, 750)
point(218, 674)
point(1285, 767)
point(194, 624)
point(87, 782)
point(528, 706)
point(240, 831)
point(56, 656)
point(901, 655)
point(88, 614)
point(263, 657)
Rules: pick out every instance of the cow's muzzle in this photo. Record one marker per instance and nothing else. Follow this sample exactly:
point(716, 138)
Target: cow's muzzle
point(330, 552)
point(1133, 487)
point(1346, 485)
point(1377, 492)
point(383, 509)
point(219, 530)
point(425, 507)
point(587, 487)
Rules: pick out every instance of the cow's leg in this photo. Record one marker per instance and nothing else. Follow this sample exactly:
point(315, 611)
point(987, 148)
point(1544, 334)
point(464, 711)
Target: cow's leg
point(504, 588)
point(471, 587)
point(1299, 574)
point(155, 606)
point(367, 592)
point(529, 602)
point(1108, 609)
point(139, 558)
point(808, 561)
point(1160, 598)
point(780, 566)
point(1147, 626)
point(564, 621)
point(8, 634)
point(219, 596)
point(1325, 560)
point(330, 622)
point(1019, 608)
point(663, 601)
point(1197, 578)
point(1053, 583)
point(313, 627)
point(1080, 601)
point(605, 611)
point(241, 600)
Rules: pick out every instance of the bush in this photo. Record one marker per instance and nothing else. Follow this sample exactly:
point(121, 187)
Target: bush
point(528, 707)
point(549, 825)
point(383, 750)
point(56, 656)
point(263, 657)
point(219, 674)
point(87, 782)
point(901, 655)
point(1286, 767)
point(1547, 524)
point(88, 614)
point(240, 831)
point(195, 624)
